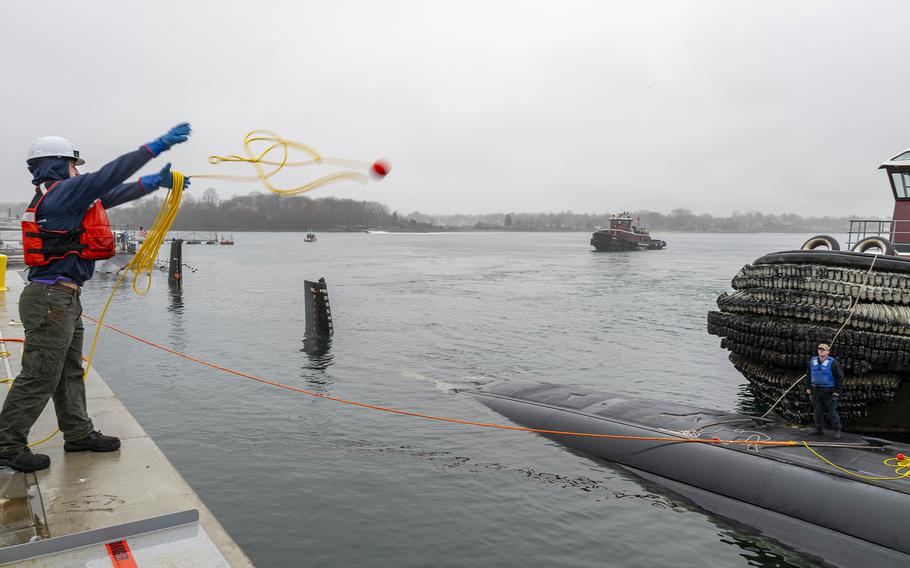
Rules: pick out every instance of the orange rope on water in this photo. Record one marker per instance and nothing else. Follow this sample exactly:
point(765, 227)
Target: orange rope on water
point(430, 416)
point(901, 463)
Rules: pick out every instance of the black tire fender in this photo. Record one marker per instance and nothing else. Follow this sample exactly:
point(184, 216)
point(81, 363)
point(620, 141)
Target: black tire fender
point(880, 243)
point(843, 259)
point(821, 241)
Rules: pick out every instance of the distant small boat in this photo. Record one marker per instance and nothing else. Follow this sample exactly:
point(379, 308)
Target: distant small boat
point(624, 235)
point(213, 240)
point(310, 238)
point(225, 241)
point(193, 240)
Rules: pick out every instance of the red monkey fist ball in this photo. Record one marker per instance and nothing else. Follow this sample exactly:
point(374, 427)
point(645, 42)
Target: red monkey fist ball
point(381, 168)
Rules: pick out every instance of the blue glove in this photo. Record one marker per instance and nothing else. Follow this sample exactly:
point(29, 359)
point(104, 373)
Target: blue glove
point(164, 178)
point(176, 135)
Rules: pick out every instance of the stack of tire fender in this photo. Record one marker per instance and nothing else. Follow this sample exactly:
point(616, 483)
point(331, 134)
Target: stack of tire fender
point(784, 304)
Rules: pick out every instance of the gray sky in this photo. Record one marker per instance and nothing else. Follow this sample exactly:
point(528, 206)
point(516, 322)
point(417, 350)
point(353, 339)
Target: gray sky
point(714, 106)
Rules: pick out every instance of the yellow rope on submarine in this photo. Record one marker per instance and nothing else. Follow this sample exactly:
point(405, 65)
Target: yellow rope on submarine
point(143, 262)
point(901, 465)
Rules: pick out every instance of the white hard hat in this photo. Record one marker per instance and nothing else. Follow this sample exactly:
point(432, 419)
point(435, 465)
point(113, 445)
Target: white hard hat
point(53, 147)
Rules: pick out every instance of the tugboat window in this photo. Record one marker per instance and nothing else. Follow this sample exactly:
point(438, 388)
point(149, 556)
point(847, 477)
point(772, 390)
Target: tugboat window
point(901, 184)
point(902, 157)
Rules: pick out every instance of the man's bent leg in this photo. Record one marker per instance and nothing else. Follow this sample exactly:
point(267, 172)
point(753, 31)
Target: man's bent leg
point(47, 335)
point(69, 398)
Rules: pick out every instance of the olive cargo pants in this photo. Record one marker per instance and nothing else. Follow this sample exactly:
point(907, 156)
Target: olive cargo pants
point(51, 367)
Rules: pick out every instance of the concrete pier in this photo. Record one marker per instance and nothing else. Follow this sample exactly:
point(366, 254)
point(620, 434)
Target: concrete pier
point(86, 491)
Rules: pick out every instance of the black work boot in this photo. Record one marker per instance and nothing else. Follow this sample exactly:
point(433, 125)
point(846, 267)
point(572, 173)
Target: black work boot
point(25, 461)
point(94, 442)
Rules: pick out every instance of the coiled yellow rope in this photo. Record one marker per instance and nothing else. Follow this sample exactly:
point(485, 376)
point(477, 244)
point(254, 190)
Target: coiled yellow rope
point(144, 260)
point(901, 467)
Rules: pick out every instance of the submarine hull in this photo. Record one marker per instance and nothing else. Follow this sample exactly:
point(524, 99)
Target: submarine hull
point(786, 493)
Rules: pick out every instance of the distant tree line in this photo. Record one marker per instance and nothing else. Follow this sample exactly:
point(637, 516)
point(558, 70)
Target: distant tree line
point(676, 220)
point(263, 212)
point(686, 220)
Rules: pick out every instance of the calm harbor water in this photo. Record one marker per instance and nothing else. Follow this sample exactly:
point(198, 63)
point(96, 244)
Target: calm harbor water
point(300, 481)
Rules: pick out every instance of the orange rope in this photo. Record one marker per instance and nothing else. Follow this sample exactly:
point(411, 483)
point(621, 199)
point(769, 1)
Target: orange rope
point(437, 418)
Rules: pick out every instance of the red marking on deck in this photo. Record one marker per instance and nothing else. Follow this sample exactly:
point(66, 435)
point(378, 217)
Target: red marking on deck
point(120, 554)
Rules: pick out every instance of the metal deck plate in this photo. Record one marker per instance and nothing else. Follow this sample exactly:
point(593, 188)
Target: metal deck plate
point(21, 510)
point(170, 540)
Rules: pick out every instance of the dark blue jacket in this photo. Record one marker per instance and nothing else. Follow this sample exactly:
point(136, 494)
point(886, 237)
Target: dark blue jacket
point(65, 206)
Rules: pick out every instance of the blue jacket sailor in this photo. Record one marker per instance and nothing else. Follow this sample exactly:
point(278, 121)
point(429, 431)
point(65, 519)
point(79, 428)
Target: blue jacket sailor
point(826, 379)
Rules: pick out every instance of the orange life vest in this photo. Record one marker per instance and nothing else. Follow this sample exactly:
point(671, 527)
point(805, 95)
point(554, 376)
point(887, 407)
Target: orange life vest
point(92, 240)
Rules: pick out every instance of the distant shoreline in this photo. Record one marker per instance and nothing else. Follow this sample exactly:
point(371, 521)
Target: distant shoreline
point(259, 212)
point(380, 230)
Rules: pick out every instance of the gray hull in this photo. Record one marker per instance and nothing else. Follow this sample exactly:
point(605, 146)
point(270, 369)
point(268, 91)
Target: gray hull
point(786, 493)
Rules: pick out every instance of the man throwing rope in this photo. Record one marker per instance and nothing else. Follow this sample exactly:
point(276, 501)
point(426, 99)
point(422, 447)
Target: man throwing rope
point(64, 231)
point(826, 378)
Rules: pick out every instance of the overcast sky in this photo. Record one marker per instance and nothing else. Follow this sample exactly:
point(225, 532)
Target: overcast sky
point(714, 106)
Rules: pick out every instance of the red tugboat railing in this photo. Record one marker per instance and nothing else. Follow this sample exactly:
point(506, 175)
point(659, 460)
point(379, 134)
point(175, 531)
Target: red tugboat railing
point(895, 230)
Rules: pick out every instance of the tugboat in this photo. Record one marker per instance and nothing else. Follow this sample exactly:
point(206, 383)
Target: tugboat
point(624, 235)
point(785, 303)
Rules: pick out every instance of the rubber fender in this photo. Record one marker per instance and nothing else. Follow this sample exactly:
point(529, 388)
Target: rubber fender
point(845, 259)
point(880, 243)
point(860, 358)
point(866, 316)
point(821, 241)
point(882, 352)
point(807, 273)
